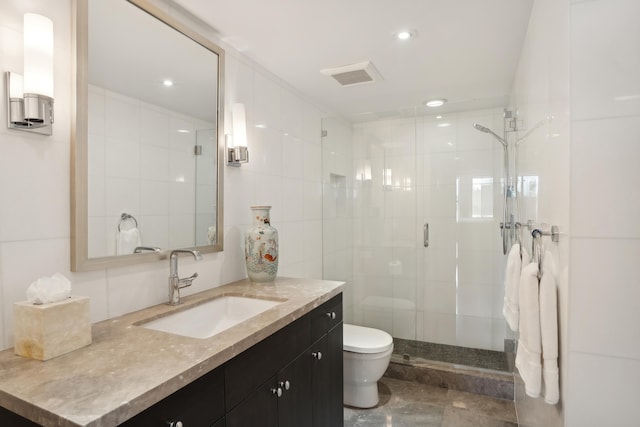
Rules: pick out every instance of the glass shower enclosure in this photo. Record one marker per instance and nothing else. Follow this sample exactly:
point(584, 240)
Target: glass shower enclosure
point(412, 207)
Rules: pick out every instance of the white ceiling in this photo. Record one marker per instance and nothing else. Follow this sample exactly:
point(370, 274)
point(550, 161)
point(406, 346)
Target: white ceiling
point(465, 50)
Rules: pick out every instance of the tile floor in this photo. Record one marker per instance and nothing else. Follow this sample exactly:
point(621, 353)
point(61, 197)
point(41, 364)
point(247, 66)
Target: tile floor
point(411, 404)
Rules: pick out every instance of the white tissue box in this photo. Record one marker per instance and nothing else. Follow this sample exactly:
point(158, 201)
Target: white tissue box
point(45, 331)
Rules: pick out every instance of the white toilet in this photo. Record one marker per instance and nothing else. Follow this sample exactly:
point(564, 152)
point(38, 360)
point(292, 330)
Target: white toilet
point(366, 353)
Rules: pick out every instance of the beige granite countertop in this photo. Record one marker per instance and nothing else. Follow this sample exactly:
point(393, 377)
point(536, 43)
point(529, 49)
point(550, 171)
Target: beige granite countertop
point(128, 368)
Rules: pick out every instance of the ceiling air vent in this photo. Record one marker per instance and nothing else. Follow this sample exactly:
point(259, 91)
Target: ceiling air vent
point(354, 74)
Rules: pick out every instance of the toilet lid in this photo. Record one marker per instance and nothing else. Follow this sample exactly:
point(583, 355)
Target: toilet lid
point(360, 339)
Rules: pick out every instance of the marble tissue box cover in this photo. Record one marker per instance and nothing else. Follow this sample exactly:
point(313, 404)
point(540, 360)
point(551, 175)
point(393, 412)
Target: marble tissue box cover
point(45, 331)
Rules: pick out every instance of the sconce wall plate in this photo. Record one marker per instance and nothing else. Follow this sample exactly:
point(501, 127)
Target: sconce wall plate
point(237, 156)
point(38, 109)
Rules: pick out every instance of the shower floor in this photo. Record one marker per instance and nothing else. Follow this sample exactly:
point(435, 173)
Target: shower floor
point(420, 352)
point(483, 372)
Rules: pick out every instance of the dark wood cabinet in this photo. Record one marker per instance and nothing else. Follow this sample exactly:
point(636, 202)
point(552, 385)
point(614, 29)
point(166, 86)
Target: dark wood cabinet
point(327, 395)
point(260, 408)
point(201, 403)
point(291, 379)
point(305, 386)
point(327, 364)
point(294, 406)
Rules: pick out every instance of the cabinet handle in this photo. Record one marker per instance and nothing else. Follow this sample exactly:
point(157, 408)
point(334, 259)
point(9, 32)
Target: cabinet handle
point(285, 384)
point(277, 391)
point(331, 315)
point(317, 355)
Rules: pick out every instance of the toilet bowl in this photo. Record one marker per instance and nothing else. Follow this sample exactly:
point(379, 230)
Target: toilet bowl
point(366, 354)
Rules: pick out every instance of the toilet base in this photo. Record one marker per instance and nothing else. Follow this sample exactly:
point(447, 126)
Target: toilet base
point(364, 395)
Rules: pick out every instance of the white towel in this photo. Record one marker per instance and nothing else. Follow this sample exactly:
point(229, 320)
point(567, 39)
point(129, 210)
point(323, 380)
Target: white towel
point(127, 241)
point(529, 350)
point(549, 330)
point(510, 306)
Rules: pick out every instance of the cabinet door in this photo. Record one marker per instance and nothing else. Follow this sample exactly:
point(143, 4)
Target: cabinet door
point(327, 379)
point(326, 317)
point(259, 409)
point(336, 385)
point(294, 407)
point(199, 403)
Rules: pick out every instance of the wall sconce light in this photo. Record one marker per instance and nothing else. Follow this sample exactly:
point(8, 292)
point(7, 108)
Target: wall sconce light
point(237, 151)
point(30, 97)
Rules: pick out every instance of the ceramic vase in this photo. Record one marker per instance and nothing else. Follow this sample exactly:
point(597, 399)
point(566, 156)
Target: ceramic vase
point(261, 247)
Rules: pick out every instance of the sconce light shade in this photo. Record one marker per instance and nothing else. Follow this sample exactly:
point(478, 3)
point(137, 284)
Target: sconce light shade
point(30, 97)
point(237, 144)
point(239, 125)
point(38, 55)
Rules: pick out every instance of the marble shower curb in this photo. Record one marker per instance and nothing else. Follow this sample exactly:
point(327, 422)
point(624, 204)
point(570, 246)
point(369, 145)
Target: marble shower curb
point(455, 377)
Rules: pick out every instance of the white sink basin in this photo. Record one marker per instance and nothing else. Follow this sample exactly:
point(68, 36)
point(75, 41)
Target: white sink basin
point(212, 317)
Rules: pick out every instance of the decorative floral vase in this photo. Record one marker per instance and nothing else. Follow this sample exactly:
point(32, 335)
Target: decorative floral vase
point(261, 247)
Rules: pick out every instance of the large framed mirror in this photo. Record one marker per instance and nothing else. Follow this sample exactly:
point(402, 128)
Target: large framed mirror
point(148, 140)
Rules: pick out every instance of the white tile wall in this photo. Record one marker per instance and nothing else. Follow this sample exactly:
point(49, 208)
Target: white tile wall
point(602, 391)
point(337, 207)
point(540, 92)
point(34, 184)
point(604, 359)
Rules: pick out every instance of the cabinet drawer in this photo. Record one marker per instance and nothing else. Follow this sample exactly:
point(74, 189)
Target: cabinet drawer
point(199, 403)
point(326, 317)
point(250, 369)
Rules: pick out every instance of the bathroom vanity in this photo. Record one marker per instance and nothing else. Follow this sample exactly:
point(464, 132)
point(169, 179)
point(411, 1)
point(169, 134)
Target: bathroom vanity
point(282, 367)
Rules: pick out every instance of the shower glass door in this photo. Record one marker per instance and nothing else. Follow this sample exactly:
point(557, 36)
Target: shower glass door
point(406, 174)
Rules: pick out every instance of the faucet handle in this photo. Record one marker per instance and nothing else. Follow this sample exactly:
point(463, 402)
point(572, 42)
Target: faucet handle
point(187, 281)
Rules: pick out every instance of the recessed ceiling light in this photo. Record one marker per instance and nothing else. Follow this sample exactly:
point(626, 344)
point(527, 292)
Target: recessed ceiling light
point(438, 102)
point(438, 117)
point(167, 83)
point(404, 35)
point(443, 125)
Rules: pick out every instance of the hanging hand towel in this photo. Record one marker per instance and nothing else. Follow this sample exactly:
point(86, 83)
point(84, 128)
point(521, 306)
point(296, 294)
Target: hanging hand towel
point(549, 330)
point(529, 345)
point(510, 307)
point(127, 241)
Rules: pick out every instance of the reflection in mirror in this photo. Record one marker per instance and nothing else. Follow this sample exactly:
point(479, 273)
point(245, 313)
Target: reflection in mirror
point(148, 144)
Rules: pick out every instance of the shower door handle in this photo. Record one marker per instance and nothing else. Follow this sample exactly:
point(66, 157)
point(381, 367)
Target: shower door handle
point(425, 234)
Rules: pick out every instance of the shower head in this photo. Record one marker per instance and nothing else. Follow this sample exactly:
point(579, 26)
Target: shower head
point(481, 128)
point(487, 130)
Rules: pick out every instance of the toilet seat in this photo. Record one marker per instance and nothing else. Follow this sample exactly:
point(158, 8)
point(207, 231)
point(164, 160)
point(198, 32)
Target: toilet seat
point(360, 339)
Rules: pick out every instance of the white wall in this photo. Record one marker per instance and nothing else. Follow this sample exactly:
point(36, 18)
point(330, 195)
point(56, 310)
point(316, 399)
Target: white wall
point(540, 93)
point(604, 320)
point(590, 47)
point(285, 171)
point(337, 205)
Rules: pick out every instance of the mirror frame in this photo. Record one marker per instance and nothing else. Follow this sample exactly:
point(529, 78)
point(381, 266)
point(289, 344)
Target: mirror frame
point(80, 260)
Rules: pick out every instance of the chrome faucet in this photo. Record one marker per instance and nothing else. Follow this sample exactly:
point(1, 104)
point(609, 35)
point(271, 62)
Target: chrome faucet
point(175, 282)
